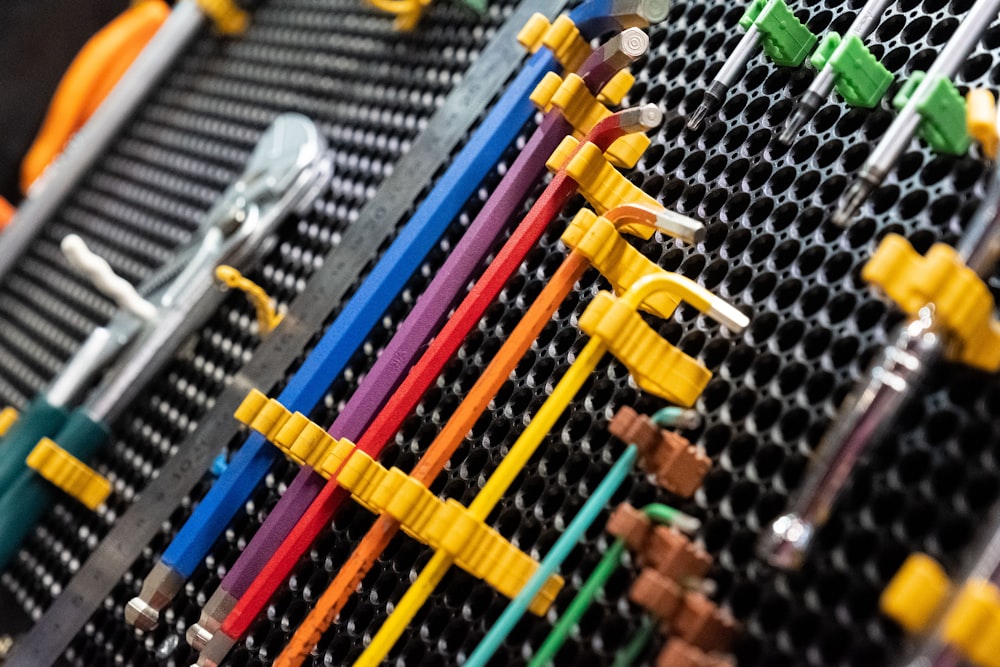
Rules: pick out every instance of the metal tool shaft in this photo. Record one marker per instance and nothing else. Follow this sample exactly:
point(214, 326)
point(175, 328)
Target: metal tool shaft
point(898, 136)
point(727, 77)
point(826, 79)
point(864, 416)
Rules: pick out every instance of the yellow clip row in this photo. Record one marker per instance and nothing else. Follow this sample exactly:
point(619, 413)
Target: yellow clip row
point(963, 304)
point(446, 526)
point(583, 111)
point(68, 473)
point(561, 37)
point(298, 437)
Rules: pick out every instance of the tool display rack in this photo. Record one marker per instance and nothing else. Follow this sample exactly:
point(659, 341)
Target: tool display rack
point(769, 249)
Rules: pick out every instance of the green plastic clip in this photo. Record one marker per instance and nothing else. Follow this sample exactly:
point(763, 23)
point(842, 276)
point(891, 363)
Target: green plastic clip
point(861, 79)
point(786, 40)
point(942, 110)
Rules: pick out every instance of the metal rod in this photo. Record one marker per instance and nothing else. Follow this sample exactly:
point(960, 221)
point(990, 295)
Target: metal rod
point(898, 136)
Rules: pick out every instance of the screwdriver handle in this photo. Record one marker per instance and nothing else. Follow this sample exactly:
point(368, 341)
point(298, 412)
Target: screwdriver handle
point(28, 496)
point(39, 420)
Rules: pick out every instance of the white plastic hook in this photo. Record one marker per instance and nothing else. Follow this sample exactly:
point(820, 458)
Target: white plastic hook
point(105, 279)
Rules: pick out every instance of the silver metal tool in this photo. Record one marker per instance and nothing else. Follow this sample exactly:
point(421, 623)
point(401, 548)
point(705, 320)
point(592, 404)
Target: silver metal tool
point(727, 77)
point(287, 170)
point(826, 79)
point(898, 136)
point(866, 414)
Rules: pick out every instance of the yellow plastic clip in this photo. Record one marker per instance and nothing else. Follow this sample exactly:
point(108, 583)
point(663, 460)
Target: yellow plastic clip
point(914, 595)
point(981, 119)
point(657, 366)
point(262, 414)
point(7, 418)
point(267, 317)
point(560, 36)
point(599, 182)
point(963, 304)
point(228, 18)
point(583, 111)
point(69, 473)
point(446, 526)
point(978, 603)
point(986, 651)
point(610, 253)
point(300, 439)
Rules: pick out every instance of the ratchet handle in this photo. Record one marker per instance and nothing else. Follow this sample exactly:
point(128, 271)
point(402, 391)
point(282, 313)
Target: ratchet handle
point(39, 420)
point(29, 496)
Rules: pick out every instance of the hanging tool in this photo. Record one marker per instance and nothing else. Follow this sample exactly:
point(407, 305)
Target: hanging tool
point(768, 23)
point(418, 328)
point(611, 331)
point(288, 168)
point(591, 242)
point(93, 73)
point(910, 117)
point(327, 291)
point(445, 344)
point(348, 332)
point(186, 19)
point(872, 79)
point(958, 323)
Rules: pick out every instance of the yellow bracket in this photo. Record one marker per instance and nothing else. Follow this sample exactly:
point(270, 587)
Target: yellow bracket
point(976, 608)
point(583, 111)
point(446, 526)
point(657, 366)
point(981, 119)
point(408, 12)
point(7, 418)
point(228, 18)
point(570, 50)
point(267, 317)
point(915, 593)
point(69, 473)
point(963, 304)
point(300, 439)
point(597, 239)
point(561, 37)
point(599, 182)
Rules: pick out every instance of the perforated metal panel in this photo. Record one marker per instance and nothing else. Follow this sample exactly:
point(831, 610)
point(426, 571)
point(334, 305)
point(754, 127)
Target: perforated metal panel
point(768, 249)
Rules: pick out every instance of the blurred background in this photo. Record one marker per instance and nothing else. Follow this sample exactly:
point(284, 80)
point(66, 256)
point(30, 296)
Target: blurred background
point(38, 40)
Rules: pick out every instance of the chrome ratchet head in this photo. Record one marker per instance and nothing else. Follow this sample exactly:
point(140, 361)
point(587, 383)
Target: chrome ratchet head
point(287, 151)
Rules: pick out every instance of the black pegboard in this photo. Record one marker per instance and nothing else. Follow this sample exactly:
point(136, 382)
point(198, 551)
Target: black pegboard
point(769, 249)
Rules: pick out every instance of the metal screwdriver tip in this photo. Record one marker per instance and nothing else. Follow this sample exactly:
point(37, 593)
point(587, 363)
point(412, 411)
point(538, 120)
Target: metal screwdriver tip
point(698, 117)
point(650, 116)
point(851, 202)
point(795, 123)
point(680, 226)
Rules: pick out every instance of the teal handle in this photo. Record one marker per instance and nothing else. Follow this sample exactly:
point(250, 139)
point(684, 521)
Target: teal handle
point(21, 506)
point(30, 496)
point(82, 437)
point(39, 420)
